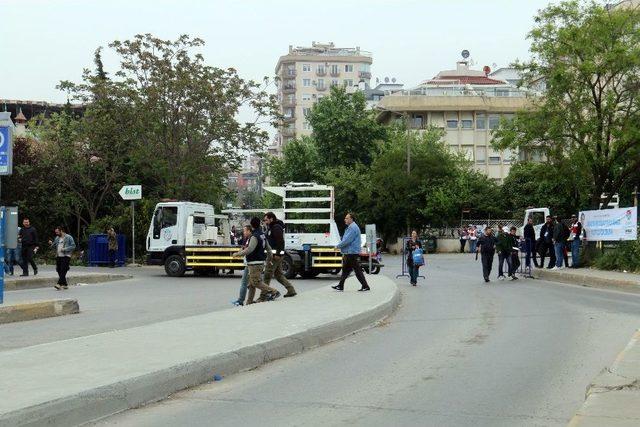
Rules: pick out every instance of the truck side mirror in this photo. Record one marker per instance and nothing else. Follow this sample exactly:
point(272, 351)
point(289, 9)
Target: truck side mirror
point(157, 223)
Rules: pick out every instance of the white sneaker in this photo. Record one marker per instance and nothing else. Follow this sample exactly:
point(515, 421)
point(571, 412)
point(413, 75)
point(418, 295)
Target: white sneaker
point(555, 268)
point(500, 277)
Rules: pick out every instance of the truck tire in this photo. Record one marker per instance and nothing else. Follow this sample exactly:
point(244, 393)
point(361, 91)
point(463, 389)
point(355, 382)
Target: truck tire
point(375, 269)
point(174, 266)
point(287, 267)
point(311, 274)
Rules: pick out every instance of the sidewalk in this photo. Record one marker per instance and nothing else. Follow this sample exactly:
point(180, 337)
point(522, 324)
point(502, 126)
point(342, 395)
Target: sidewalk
point(613, 398)
point(47, 276)
point(114, 371)
point(591, 277)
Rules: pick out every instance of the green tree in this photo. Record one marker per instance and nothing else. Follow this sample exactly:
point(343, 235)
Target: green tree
point(300, 162)
point(344, 130)
point(589, 58)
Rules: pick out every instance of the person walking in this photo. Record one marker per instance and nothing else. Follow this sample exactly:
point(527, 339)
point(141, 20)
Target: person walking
point(530, 244)
point(414, 252)
point(558, 242)
point(12, 257)
point(64, 246)
point(256, 256)
point(546, 238)
point(473, 238)
point(487, 248)
point(574, 239)
point(244, 282)
point(503, 246)
point(29, 239)
point(350, 248)
point(514, 259)
point(463, 235)
point(273, 268)
point(112, 245)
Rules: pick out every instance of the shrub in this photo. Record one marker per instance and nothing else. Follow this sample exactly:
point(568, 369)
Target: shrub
point(625, 256)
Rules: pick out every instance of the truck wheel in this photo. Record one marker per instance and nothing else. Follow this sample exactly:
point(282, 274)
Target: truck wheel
point(174, 266)
point(287, 267)
point(375, 269)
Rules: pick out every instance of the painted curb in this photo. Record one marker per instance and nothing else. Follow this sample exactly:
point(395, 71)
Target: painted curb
point(584, 279)
point(133, 392)
point(46, 282)
point(37, 310)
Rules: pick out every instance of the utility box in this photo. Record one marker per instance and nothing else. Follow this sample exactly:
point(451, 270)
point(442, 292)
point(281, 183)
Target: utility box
point(11, 227)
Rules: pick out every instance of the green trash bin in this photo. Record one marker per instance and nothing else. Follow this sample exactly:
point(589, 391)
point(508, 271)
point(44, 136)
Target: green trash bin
point(432, 244)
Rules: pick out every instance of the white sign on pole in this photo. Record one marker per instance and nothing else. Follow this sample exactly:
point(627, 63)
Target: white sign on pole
point(610, 224)
point(131, 192)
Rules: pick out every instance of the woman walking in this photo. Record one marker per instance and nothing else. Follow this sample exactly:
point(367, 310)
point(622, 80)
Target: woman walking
point(64, 245)
point(415, 257)
point(112, 242)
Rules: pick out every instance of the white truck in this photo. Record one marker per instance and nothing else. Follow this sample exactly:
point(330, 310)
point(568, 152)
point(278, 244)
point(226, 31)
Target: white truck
point(190, 236)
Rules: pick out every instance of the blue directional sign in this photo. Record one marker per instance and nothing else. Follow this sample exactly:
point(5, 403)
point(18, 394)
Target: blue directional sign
point(6, 151)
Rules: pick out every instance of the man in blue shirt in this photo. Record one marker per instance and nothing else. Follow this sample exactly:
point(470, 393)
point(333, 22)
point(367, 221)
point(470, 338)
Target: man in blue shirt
point(350, 248)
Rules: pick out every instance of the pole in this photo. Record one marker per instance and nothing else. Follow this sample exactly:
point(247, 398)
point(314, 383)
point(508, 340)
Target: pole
point(2, 215)
point(133, 231)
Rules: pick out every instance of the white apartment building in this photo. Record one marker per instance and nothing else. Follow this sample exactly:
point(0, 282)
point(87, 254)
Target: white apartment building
point(468, 104)
point(305, 75)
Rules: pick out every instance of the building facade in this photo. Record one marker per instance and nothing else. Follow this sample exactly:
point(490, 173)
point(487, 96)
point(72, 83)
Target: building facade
point(468, 105)
point(305, 75)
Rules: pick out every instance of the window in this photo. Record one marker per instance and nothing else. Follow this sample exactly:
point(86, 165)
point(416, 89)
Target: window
point(481, 155)
point(305, 111)
point(306, 67)
point(335, 70)
point(502, 92)
point(467, 124)
point(417, 121)
point(348, 68)
point(306, 125)
point(320, 70)
point(169, 216)
point(494, 121)
point(291, 70)
point(320, 84)
point(494, 160)
point(481, 121)
point(348, 82)
point(306, 82)
point(288, 112)
point(365, 67)
point(452, 124)
point(335, 82)
point(508, 155)
point(437, 119)
point(306, 97)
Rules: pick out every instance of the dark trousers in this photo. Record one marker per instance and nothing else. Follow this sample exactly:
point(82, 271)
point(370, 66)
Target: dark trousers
point(113, 254)
point(463, 242)
point(547, 248)
point(502, 257)
point(514, 263)
point(487, 263)
point(414, 271)
point(530, 251)
point(351, 262)
point(62, 267)
point(27, 258)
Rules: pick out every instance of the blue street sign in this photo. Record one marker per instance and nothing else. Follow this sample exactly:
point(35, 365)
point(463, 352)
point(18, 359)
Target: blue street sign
point(6, 151)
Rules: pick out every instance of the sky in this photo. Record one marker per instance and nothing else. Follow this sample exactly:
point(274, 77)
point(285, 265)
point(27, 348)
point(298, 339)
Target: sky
point(45, 41)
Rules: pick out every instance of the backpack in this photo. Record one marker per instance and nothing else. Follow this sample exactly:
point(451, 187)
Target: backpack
point(417, 256)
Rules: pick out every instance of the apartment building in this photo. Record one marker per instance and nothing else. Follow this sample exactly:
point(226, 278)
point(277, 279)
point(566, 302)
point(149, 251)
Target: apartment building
point(305, 75)
point(468, 104)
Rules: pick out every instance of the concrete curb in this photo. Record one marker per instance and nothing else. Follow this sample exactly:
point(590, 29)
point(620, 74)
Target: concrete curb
point(45, 282)
point(168, 365)
point(613, 397)
point(37, 310)
point(582, 277)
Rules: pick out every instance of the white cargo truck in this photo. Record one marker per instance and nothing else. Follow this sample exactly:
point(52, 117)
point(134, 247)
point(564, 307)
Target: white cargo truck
point(190, 236)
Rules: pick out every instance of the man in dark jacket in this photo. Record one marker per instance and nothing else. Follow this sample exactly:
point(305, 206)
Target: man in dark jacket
point(546, 239)
point(487, 247)
point(530, 244)
point(273, 267)
point(28, 237)
point(503, 247)
point(559, 240)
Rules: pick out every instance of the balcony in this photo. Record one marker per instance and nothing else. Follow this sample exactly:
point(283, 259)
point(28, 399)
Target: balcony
point(321, 88)
point(288, 73)
point(364, 74)
point(289, 119)
point(334, 73)
point(286, 102)
point(288, 132)
point(289, 89)
point(321, 72)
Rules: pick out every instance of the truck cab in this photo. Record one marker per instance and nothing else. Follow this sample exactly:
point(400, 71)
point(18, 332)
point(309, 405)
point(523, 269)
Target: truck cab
point(176, 225)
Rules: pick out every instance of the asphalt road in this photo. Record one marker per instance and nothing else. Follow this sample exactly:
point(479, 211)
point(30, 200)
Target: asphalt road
point(149, 297)
point(457, 353)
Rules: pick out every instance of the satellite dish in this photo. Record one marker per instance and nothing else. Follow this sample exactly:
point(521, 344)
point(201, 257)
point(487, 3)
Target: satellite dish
point(386, 79)
point(486, 70)
point(465, 54)
point(393, 80)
